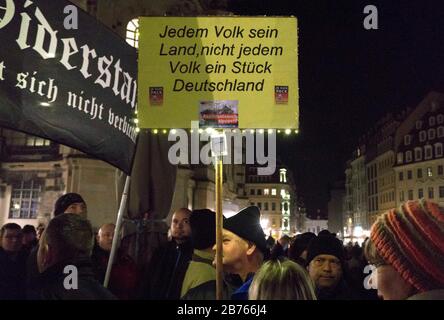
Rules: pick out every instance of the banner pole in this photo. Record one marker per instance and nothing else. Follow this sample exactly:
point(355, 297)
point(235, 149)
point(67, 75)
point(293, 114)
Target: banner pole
point(117, 231)
point(219, 226)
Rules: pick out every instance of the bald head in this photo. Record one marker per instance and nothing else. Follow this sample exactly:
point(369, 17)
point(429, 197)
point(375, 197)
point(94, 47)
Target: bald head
point(180, 225)
point(105, 236)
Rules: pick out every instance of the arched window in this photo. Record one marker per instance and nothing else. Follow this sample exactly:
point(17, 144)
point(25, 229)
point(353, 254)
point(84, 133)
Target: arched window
point(400, 158)
point(407, 139)
point(132, 33)
point(440, 132)
point(431, 133)
point(418, 154)
point(428, 152)
point(438, 149)
point(283, 175)
point(432, 121)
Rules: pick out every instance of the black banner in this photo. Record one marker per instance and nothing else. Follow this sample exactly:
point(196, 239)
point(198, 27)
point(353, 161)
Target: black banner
point(73, 86)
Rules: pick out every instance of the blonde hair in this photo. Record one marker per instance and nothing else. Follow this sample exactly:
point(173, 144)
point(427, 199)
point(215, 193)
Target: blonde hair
point(281, 279)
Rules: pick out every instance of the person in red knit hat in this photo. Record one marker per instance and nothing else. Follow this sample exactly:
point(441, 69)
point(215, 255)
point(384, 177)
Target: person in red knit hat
point(407, 247)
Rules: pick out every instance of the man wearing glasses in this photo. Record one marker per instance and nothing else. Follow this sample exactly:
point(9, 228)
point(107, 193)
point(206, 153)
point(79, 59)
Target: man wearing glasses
point(325, 264)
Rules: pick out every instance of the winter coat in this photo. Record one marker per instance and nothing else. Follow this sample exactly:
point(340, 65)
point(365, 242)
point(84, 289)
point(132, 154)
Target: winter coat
point(429, 295)
point(200, 270)
point(124, 274)
point(232, 289)
point(164, 276)
point(341, 292)
point(242, 292)
point(12, 275)
point(54, 282)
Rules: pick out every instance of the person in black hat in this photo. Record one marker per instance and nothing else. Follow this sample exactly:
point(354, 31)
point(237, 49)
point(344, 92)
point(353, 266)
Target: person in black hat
point(325, 264)
point(201, 270)
point(298, 247)
point(70, 203)
point(244, 247)
point(67, 203)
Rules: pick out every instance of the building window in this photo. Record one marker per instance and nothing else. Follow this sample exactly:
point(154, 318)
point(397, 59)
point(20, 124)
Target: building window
point(410, 194)
point(266, 206)
point(429, 172)
point(420, 193)
point(408, 156)
point(259, 205)
point(431, 121)
point(285, 206)
point(409, 175)
point(266, 192)
point(273, 192)
point(418, 124)
point(401, 176)
point(440, 132)
point(418, 154)
point(422, 136)
point(273, 222)
point(407, 139)
point(24, 199)
point(283, 175)
point(400, 158)
point(431, 193)
point(440, 118)
point(419, 173)
point(252, 192)
point(132, 33)
point(441, 191)
point(259, 192)
point(431, 134)
point(251, 203)
point(428, 152)
point(401, 196)
point(438, 149)
point(440, 170)
point(273, 206)
point(32, 141)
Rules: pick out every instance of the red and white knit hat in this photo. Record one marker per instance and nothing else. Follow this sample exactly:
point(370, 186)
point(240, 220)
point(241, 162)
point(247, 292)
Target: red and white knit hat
point(411, 240)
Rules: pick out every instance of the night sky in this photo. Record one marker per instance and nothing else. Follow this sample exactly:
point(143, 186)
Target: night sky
point(350, 77)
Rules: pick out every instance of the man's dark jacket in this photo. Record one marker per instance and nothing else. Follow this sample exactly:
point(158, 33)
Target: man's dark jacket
point(12, 275)
point(56, 285)
point(164, 276)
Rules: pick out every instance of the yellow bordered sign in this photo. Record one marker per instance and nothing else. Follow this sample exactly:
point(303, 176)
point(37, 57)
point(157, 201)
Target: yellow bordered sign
point(226, 72)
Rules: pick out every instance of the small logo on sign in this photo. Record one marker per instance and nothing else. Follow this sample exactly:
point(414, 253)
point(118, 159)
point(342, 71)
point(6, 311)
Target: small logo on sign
point(156, 96)
point(281, 94)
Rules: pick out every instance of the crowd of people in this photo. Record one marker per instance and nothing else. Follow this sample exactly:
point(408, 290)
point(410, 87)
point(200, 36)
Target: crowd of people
point(405, 251)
